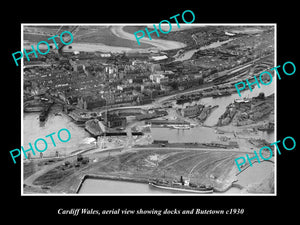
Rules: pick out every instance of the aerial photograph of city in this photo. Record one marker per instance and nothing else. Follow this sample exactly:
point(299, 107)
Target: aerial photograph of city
point(104, 115)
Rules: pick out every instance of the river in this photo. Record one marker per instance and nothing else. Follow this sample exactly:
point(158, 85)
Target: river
point(188, 54)
point(119, 32)
point(158, 43)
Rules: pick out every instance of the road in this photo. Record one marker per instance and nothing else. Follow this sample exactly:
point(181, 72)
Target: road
point(235, 150)
point(35, 65)
point(158, 43)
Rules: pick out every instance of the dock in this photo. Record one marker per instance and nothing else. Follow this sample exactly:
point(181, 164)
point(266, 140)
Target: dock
point(45, 112)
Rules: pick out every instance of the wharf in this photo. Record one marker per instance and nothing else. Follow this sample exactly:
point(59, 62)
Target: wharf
point(162, 122)
point(45, 112)
point(121, 134)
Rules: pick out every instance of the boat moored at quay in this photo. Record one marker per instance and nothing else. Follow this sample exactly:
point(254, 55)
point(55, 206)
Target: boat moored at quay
point(182, 185)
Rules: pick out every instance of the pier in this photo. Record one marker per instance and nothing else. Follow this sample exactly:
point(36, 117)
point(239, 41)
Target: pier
point(45, 112)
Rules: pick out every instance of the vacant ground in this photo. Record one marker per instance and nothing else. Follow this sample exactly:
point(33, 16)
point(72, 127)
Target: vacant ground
point(214, 168)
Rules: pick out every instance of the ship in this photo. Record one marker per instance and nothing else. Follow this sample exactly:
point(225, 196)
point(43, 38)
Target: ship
point(33, 106)
point(221, 94)
point(182, 127)
point(184, 186)
point(244, 100)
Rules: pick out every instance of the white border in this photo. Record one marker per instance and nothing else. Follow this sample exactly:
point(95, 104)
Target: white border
point(22, 111)
point(143, 24)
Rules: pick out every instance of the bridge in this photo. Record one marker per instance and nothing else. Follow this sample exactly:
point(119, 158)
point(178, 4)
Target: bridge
point(73, 30)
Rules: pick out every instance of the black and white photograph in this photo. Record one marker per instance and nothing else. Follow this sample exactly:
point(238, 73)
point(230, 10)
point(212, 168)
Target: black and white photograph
point(179, 114)
point(142, 111)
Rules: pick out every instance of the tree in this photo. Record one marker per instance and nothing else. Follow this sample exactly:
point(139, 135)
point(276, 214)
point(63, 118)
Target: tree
point(174, 85)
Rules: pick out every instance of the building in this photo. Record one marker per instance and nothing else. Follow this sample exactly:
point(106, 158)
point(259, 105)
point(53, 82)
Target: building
point(158, 78)
point(143, 99)
point(90, 103)
point(159, 57)
point(155, 67)
point(105, 55)
point(192, 111)
point(113, 120)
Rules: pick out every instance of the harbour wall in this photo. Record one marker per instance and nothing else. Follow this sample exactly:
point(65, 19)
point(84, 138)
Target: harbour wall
point(109, 177)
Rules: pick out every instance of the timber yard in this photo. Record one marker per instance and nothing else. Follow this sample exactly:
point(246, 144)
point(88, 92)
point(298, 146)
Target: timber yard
point(168, 117)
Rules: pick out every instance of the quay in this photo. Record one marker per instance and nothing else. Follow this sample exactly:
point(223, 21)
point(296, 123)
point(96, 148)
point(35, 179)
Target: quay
point(109, 177)
point(45, 112)
point(167, 122)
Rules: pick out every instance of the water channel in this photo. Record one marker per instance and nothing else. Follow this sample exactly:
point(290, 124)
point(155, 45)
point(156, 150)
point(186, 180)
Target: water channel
point(188, 54)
